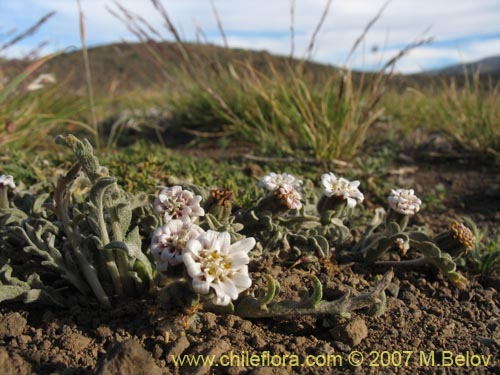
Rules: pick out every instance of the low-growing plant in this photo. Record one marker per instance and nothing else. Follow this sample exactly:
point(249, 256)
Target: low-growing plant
point(485, 254)
point(90, 234)
point(92, 240)
point(389, 235)
point(93, 235)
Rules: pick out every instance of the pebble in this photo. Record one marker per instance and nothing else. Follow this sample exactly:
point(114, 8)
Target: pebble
point(351, 333)
point(177, 348)
point(127, 357)
point(12, 325)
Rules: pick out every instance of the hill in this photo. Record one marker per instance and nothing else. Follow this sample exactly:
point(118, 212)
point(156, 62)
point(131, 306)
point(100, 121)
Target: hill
point(486, 66)
point(125, 66)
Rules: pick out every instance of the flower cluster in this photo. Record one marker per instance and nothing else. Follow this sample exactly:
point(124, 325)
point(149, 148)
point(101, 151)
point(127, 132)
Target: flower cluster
point(404, 202)
point(212, 262)
point(169, 241)
point(340, 187)
point(177, 203)
point(285, 187)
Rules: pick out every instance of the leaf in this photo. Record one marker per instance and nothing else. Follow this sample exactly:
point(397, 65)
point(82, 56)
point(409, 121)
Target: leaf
point(99, 189)
point(10, 292)
point(38, 204)
point(43, 296)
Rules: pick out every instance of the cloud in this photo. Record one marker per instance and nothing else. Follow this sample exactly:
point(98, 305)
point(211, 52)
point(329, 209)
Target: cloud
point(462, 29)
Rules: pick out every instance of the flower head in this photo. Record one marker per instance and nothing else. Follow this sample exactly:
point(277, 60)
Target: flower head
point(273, 181)
point(404, 201)
point(289, 197)
point(214, 263)
point(456, 241)
point(340, 187)
point(41, 81)
point(463, 235)
point(168, 242)
point(176, 203)
point(6, 180)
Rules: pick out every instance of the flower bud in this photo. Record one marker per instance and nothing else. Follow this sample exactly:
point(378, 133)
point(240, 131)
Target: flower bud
point(220, 203)
point(456, 241)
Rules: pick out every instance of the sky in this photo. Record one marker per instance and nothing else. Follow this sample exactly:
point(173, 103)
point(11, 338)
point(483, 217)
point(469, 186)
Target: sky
point(462, 30)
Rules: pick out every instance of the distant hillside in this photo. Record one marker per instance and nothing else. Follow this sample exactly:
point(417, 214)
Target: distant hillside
point(125, 66)
point(487, 66)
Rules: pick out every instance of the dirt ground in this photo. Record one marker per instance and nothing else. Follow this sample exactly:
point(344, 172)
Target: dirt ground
point(429, 326)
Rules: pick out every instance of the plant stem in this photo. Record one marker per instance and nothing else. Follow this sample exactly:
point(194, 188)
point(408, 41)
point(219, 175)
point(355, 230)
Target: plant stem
point(341, 307)
point(417, 262)
point(4, 199)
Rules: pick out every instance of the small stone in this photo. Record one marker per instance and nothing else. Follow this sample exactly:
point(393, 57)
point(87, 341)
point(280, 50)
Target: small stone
point(393, 290)
point(209, 320)
point(13, 364)
point(340, 346)
point(211, 349)
point(257, 340)
point(24, 340)
point(75, 342)
point(351, 333)
point(104, 332)
point(177, 348)
point(12, 325)
point(408, 297)
point(127, 357)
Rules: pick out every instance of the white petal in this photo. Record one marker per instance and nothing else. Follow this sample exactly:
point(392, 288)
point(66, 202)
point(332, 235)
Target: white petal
point(194, 246)
point(175, 190)
point(244, 245)
point(193, 268)
point(238, 259)
point(228, 288)
point(351, 202)
point(201, 286)
point(222, 301)
point(223, 242)
point(208, 239)
point(174, 226)
point(241, 279)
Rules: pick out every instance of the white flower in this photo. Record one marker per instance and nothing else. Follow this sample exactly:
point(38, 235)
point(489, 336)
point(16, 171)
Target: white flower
point(213, 262)
point(404, 201)
point(176, 203)
point(340, 187)
point(40, 81)
point(273, 181)
point(6, 180)
point(168, 242)
point(289, 196)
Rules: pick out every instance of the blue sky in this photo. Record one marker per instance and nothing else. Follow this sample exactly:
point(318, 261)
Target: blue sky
point(463, 30)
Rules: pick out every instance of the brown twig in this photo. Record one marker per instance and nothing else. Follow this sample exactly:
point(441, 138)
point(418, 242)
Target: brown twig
point(367, 28)
point(292, 28)
point(219, 23)
point(318, 28)
point(88, 76)
point(27, 32)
